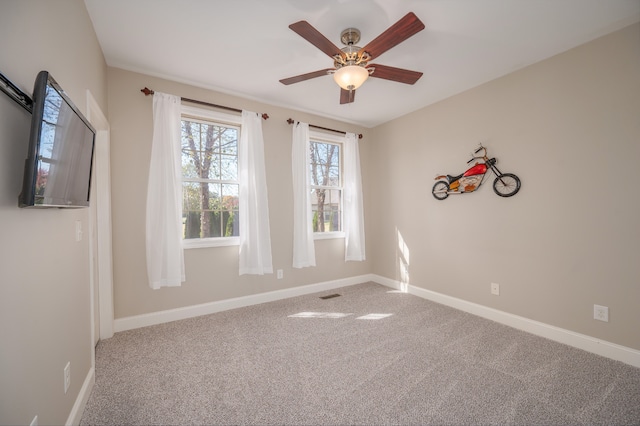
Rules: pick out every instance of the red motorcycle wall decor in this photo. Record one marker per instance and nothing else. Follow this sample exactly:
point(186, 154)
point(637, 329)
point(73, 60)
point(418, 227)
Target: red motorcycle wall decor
point(505, 184)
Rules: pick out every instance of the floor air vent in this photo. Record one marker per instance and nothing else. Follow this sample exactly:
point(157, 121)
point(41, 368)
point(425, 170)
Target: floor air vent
point(330, 296)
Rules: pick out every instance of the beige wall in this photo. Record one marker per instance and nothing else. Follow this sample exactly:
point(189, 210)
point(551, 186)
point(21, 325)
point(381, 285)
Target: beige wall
point(569, 127)
point(212, 273)
point(44, 272)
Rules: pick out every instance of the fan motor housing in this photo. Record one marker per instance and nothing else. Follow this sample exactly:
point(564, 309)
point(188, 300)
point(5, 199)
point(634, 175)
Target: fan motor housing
point(350, 36)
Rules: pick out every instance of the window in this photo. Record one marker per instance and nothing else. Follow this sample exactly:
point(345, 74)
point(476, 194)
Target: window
point(325, 166)
point(209, 180)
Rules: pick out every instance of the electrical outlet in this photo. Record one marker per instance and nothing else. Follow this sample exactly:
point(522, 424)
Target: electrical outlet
point(495, 289)
point(67, 376)
point(601, 313)
point(279, 273)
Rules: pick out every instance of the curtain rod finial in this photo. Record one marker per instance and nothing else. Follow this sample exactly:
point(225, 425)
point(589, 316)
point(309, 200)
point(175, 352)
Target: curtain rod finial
point(147, 91)
point(265, 116)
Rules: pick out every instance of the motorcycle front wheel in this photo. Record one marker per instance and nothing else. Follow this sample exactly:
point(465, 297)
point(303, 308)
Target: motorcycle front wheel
point(506, 185)
point(440, 190)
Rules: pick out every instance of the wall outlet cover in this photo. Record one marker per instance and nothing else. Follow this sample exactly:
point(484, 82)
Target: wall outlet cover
point(601, 313)
point(495, 289)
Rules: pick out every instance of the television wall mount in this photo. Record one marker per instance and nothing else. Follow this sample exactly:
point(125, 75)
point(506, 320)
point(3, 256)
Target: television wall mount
point(16, 94)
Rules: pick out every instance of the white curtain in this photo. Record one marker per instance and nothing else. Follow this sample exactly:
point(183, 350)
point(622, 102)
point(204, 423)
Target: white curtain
point(165, 256)
point(303, 247)
point(353, 210)
point(255, 240)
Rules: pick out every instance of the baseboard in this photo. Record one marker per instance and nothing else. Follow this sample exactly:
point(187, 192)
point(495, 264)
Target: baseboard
point(81, 401)
point(145, 320)
point(581, 341)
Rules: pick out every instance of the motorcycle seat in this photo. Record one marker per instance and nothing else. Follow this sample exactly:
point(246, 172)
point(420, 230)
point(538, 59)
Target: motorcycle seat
point(454, 178)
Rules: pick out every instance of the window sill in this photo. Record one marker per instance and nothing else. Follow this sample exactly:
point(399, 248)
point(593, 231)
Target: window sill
point(210, 242)
point(327, 235)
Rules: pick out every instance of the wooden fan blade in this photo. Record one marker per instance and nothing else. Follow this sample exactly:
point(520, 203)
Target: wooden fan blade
point(395, 74)
point(394, 35)
point(347, 96)
point(303, 77)
point(313, 36)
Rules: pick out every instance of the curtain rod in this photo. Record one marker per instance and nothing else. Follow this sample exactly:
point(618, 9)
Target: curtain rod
point(148, 92)
point(291, 121)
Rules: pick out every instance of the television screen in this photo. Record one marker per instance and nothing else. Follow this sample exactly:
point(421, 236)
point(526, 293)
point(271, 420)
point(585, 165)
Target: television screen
point(59, 162)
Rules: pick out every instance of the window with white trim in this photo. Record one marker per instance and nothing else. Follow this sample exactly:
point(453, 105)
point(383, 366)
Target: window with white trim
point(325, 168)
point(210, 187)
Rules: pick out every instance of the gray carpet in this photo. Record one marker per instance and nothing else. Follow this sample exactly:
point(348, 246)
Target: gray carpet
point(424, 364)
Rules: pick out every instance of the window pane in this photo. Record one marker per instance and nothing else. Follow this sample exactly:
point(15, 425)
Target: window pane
point(313, 198)
point(230, 197)
point(188, 168)
point(211, 167)
point(214, 226)
point(191, 196)
point(211, 137)
point(190, 135)
point(230, 223)
point(333, 210)
point(202, 224)
point(325, 164)
point(321, 208)
point(211, 200)
point(229, 167)
point(229, 141)
point(334, 175)
point(190, 224)
point(230, 189)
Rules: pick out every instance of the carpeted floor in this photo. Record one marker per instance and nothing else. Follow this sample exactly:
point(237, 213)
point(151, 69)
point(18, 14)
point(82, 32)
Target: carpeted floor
point(304, 361)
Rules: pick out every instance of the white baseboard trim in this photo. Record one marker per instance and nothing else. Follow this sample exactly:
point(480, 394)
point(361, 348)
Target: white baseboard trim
point(81, 401)
point(591, 344)
point(145, 320)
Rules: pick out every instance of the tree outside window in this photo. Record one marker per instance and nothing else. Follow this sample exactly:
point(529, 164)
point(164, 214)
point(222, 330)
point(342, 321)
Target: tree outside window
point(326, 186)
point(209, 179)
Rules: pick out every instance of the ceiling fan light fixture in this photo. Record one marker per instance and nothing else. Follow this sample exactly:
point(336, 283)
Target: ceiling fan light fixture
point(350, 77)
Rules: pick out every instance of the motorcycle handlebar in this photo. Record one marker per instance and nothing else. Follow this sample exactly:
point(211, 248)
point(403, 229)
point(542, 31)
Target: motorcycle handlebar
point(473, 157)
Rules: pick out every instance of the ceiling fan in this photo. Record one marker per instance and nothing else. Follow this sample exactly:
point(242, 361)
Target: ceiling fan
point(352, 63)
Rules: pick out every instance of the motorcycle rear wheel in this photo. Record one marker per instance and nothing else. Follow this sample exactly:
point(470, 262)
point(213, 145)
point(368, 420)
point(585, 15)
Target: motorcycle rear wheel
point(440, 190)
point(506, 185)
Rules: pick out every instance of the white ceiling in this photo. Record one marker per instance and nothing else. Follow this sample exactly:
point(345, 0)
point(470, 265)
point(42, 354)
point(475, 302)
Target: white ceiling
point(244, 47)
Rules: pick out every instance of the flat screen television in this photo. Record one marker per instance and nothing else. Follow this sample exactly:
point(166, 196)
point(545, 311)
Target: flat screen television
point(58, 167)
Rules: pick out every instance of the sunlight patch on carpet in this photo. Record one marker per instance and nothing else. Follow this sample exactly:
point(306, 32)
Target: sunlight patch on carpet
point(319, 315)
point(374, 316)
